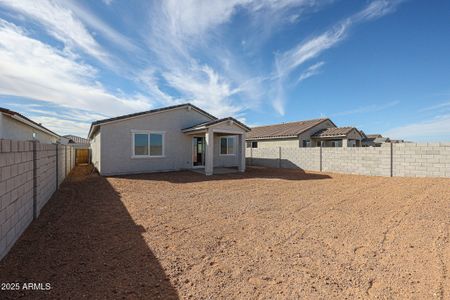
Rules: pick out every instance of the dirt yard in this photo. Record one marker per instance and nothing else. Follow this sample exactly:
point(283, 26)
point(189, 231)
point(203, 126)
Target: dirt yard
point(265, 234)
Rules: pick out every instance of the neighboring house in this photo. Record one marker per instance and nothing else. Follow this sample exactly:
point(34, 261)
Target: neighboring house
point(75, 141)
point(15, 126)
point(337, 137)
point(374, 140)
point(81, 146)
point(167, 139)
point(309, 133)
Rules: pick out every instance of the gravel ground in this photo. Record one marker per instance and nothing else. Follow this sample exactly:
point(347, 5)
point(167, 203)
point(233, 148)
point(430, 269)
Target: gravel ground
point(265, 234)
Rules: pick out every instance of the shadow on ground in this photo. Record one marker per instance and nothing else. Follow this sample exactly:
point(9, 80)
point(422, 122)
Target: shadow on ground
point(250, 173)
point(86, 245)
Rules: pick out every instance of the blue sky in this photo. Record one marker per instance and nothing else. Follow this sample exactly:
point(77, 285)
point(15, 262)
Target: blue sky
point(382, 66)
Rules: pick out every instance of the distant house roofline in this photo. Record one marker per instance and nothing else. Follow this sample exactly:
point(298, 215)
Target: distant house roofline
point(284, 130)
point(21, 118)
point(76, 139)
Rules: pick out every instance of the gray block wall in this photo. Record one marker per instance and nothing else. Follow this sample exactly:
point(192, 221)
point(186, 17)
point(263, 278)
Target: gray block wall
point(406, 159)
point(421, 160)
point(363, 161)
point(28, 179)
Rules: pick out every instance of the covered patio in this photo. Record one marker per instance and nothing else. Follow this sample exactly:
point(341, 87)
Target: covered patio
point(337, 137)
point(218, 145)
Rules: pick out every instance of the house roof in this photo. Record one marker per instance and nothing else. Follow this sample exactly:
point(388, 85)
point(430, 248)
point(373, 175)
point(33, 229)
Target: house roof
point(380, 140)
point(205, 125)
point(21, 118)
point(284, 130)
point(76, 139)
point(333, 132)
point(124, 117)
point(374, 136)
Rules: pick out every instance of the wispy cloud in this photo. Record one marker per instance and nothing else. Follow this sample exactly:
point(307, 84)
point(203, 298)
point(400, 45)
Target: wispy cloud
point(32, 69)
point(92, 21)
point(311, 71)
point(311, 48)
point(183, 31)
point(436, 129)
point(367, 109)
point(440, 106)
point(60, 23)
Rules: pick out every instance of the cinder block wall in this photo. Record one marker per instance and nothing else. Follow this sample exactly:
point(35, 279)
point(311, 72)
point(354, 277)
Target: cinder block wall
point(28, 179)
point(364, 161)
point(408, 159)
point(16, 189)
point(421, 160)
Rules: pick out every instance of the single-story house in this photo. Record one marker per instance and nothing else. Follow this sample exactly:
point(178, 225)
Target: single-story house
point(81, 146)
point(309, 133)
point(374, 140)
point(338, 137)
point(167, 139)
point(76, 142)
point(15, 126)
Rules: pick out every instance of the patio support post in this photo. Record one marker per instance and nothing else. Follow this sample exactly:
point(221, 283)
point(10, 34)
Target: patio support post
point(344, 143)
point(242, 152)
point(209, 158)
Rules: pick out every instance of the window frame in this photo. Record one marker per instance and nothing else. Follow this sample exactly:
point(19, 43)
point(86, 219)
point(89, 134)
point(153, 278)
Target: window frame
point(148, 133)
point(234, 145)
point(305, 143)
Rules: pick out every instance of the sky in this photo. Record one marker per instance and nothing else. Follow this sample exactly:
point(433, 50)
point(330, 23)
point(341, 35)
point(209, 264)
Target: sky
point(381, 66)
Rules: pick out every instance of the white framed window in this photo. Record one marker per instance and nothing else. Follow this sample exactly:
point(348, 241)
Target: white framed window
point(147, 143)
point(227, 145)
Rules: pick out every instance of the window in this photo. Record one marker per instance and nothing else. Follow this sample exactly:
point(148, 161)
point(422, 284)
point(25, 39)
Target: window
point(252, 144)
point(227, 145)
point(148, 144)
point(306, 143)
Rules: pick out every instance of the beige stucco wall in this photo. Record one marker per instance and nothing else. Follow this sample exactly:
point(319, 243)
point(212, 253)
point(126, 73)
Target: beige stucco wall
point(96, 150)
point(14, 130)
point(116, 142)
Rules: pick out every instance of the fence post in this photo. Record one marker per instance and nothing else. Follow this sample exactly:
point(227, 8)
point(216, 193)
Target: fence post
point(65, 160)
point(279, 157)
point(56, 164)
point(320, 157)
point(34, 179)
point(392, 159)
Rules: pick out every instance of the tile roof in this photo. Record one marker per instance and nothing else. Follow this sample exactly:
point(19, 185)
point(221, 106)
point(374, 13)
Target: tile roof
point(291, 129)
point(330, 132)
point(373, 136)
point(77, 139)
point(209, 123)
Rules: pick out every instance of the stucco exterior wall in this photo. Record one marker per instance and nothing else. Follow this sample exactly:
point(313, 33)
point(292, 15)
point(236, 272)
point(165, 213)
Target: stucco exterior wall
point(96, 150)
point(14, 130)
point(116, 142)
point(226, 160)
